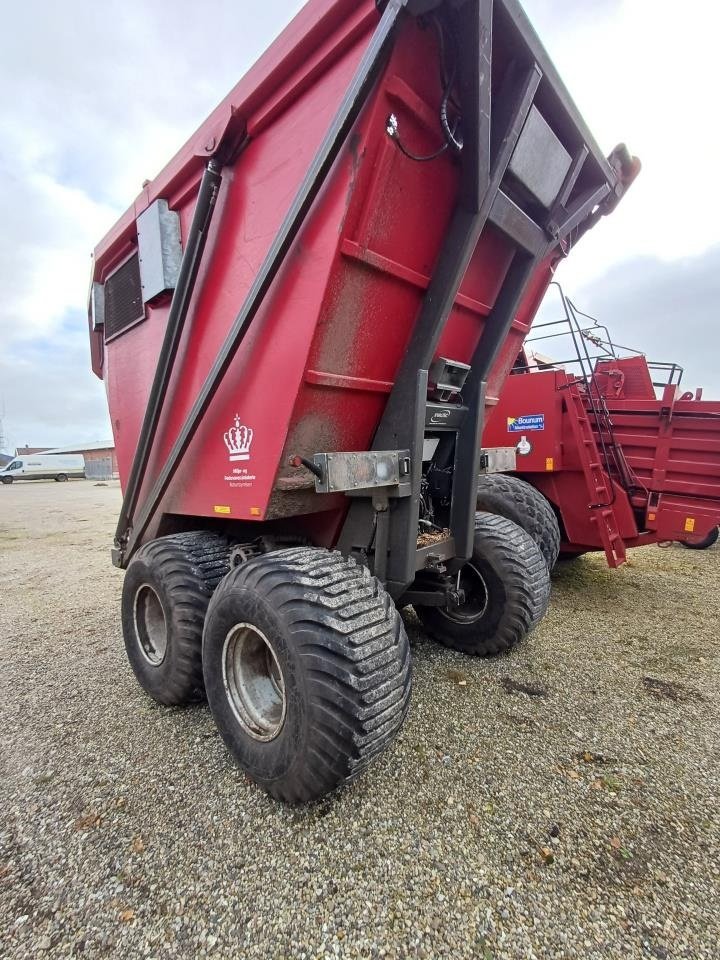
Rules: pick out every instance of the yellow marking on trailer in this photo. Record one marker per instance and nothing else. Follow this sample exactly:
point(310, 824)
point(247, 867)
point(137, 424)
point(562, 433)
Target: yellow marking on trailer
point(652, 516)
point(549, 463)
point(221, 509)
point(255, 511)
point(689, 524)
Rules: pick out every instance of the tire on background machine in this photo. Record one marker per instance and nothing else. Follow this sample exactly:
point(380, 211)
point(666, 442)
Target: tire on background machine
point(307, 670)
point(516, 500)
point(703, 544)
point(507, 584)
point(167, 588)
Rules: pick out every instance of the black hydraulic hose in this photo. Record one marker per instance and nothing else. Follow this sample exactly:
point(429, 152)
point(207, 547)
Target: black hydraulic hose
point(194, 247)
point(451, 137)
point(452, 140)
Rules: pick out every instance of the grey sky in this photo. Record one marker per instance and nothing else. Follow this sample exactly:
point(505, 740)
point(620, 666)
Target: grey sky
point(669, 309)
point(94, 98)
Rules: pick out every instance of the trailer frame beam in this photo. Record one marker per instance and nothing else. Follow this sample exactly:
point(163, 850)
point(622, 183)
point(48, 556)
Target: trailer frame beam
point(179, 309)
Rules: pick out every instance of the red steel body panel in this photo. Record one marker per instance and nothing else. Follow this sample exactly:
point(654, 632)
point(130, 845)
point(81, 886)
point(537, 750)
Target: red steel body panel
point(671, 445)
point(251, 207)
point(321, 356)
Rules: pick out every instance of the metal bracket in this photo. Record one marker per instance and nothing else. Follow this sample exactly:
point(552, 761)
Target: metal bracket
point(498, 460)
point(366, 470)
point(434, 555)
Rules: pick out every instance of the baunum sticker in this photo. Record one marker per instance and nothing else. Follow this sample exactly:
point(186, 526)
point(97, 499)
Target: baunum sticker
point(525, 423)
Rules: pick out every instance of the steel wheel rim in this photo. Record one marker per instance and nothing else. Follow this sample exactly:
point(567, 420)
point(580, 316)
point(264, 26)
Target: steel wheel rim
point(150, 625)
point(476, 597)
point(253, 681)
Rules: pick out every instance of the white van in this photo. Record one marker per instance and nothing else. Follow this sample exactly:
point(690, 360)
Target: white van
point(44, 466)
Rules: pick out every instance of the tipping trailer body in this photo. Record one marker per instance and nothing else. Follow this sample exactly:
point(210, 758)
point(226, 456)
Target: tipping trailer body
point(393, 263)
point(300, 323)
point(621, 466)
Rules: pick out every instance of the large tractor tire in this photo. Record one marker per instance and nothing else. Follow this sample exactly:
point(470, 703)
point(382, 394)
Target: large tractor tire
point(307, 670)
point(507, 590)
point(703, 544)
point(167, 588)
point(513, 498)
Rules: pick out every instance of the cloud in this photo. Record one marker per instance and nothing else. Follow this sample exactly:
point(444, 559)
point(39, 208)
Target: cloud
point(92, 102)
point(667, 310)
point(50, 396)
point(642, 73)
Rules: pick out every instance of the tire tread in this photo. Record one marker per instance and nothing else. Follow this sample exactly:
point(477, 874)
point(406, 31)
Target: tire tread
point(510, 497)
point(356, 655)
point(526, 579)
point(189, 566)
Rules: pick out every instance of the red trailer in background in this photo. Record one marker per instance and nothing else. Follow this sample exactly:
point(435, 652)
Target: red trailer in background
point(623, 454)
point(300, 322)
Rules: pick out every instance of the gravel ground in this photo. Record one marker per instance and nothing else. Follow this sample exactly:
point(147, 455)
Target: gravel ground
point(558, 802)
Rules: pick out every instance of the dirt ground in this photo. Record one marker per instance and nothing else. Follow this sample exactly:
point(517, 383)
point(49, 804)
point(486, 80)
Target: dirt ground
point(558, 802)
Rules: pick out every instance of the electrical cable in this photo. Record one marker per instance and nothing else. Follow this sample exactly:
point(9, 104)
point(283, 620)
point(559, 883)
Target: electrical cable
point(453, 140)
point(413, 156)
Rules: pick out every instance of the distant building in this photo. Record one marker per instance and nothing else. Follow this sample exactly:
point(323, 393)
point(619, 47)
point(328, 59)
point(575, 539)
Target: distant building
point(100, 458)
point(29, 451)
point(5, 459)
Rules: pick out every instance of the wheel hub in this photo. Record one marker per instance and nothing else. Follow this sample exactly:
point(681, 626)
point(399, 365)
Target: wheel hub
point(150, 625)
point(472, 596)
point(254, 682)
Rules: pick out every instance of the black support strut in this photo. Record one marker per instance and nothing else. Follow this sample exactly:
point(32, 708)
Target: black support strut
point(192, 256)
point(485, 159)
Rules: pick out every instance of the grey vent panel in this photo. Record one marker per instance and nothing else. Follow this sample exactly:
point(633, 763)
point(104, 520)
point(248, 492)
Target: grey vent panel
point(160, 249)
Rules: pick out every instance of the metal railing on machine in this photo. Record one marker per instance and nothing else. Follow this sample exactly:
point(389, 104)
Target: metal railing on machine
point(609, 348)
point(585, 372)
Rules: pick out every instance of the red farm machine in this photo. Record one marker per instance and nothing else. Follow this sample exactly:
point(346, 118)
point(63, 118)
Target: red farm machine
point(624, 456)
point(300, 323)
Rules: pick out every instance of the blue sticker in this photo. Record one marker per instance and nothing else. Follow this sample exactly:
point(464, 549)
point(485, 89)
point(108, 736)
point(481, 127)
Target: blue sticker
point(531, 421)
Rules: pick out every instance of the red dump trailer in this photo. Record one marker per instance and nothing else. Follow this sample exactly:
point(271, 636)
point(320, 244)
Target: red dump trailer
point(623, 454)
point(300, 322)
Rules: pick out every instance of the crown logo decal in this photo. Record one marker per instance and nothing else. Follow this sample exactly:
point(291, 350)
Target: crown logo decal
point(238, 440)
